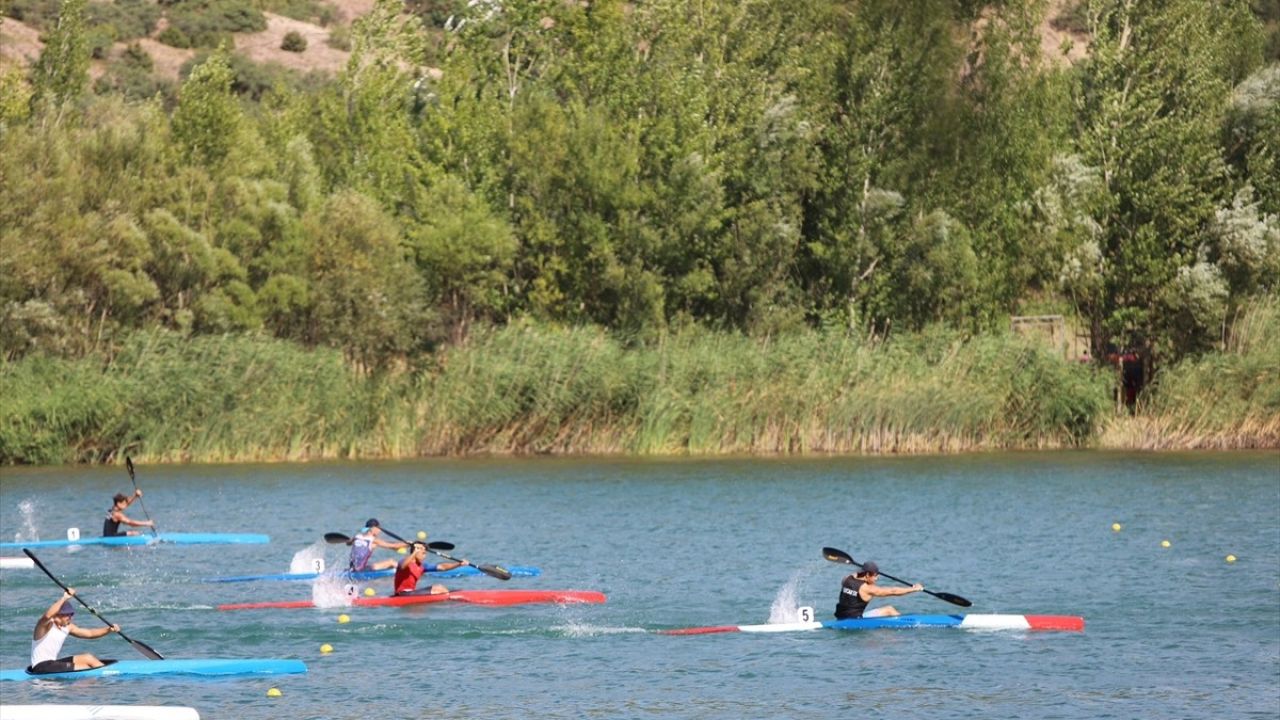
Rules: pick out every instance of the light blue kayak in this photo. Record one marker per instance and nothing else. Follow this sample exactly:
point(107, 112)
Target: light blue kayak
point(177, 538)
point(465, 571)
point(202, 667)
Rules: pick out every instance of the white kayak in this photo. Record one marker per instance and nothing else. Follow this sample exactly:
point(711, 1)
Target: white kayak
point(16, 563)
point(96, 712)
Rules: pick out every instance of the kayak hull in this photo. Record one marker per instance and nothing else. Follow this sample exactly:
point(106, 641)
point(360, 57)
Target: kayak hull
point(97, 712)
point(202, 667)
point(16, 563)
point(464, 571)
point(176, 538)
point(1069, 623)
point(474, 597)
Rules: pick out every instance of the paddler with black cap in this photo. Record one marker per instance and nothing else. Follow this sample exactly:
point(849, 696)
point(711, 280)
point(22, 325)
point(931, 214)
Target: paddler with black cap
point(51, 632)
point(412, 568)
point(860, 588)
point(363, 544)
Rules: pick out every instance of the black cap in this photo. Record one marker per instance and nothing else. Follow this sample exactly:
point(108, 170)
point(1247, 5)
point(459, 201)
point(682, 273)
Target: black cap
point(870, 568)
point(371, 522)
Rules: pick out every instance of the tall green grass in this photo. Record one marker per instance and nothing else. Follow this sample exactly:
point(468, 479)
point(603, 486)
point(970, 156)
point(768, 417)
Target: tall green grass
point(529, 388)
point(537, 389)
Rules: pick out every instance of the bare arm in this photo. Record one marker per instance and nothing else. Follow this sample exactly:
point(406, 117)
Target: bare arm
point(80, 632)
point(379, 542)
point(445, 566)
point(42, 625)
point(877, 591)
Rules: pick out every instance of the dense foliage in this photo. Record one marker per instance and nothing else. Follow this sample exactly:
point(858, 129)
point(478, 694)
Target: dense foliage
point(765, 166)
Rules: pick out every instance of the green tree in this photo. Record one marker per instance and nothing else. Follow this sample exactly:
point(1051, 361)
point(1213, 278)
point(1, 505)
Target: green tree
point(207, 121)
point(61, 73)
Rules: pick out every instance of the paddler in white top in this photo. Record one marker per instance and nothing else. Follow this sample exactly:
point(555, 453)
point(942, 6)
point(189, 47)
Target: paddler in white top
point(362, 546)
point(52, 630)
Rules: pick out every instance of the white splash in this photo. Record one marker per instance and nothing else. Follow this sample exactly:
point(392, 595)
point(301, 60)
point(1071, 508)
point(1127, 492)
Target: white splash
point(27, 532)
point(304, 561)
point(331, 591)
point(786, 605)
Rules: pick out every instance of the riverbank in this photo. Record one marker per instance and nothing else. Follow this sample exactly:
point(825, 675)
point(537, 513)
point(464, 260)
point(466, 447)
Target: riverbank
point(536, 389)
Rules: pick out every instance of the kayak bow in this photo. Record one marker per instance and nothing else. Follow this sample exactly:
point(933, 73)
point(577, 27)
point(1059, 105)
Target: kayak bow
point(964, 622)
point(474, 597)
point(97, 712)
point(201, 667)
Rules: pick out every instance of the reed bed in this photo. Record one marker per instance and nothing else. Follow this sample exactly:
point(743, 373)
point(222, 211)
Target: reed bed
point(529, 388)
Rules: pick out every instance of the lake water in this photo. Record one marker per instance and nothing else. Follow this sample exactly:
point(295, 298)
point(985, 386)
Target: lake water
point(1171, 632)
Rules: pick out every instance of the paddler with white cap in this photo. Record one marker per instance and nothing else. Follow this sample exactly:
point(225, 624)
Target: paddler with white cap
point(51, 632)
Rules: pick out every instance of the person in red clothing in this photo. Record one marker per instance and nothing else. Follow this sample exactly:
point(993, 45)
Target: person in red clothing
point(411, 569)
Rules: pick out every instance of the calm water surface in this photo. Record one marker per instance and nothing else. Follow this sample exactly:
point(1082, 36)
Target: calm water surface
point(1171, 632)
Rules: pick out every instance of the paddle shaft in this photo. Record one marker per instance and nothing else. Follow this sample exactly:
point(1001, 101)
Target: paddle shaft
point(840, 556)
point(491, 570)
point(139, 646)
point(128, 465)
point(334, 538)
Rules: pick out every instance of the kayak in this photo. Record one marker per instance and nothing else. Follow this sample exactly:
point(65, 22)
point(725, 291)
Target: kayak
point(97, 712)
point(464, 571)
point(474, 597)
point(201, 667)
point(178, 538)
point(964, 622)
point(16, 563)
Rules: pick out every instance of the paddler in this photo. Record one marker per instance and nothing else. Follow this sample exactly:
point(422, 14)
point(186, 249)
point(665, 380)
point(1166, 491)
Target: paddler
point(116, 517)
point(411, 569)
point(860, 588)
point(52, 630)
point(363, 544)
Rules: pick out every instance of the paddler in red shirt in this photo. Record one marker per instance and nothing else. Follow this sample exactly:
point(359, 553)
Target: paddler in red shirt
point(411, 569)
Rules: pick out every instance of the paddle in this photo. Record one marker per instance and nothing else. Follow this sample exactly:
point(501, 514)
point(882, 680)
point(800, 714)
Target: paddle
point(840, 556)
point(491, 570)
point(128, 465)
point(334, 538)
point(137, 645)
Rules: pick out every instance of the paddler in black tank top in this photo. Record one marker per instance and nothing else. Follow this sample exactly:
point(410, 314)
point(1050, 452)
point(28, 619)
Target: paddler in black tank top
point(116, 517)
point(860, 588)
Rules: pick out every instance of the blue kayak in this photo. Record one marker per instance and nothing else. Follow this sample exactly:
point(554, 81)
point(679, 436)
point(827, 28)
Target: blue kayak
point(203, 667)
point(177, 538)
point(465, 571)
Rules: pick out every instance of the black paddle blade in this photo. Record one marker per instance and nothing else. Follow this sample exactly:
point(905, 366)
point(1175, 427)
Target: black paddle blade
point(128, 465)
point(495, 571)
point(143, 648)
point(953, 599)
point(336, 538)
point(440, 545)
point(837, 556)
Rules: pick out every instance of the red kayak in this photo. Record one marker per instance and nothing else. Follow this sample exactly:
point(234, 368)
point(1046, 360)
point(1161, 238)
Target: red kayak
point(475, 597)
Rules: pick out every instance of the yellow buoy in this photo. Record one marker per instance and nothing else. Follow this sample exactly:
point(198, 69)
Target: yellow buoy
point(343, 619)
point(368, 592)
point(422, 535)
point(326, 648)
point(400, 550)
point(1115, 526)
point(274, 692)
point(1165, 543)
point(1231, 558)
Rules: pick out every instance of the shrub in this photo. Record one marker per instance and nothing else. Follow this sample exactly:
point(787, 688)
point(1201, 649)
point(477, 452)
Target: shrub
point(293, 42)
